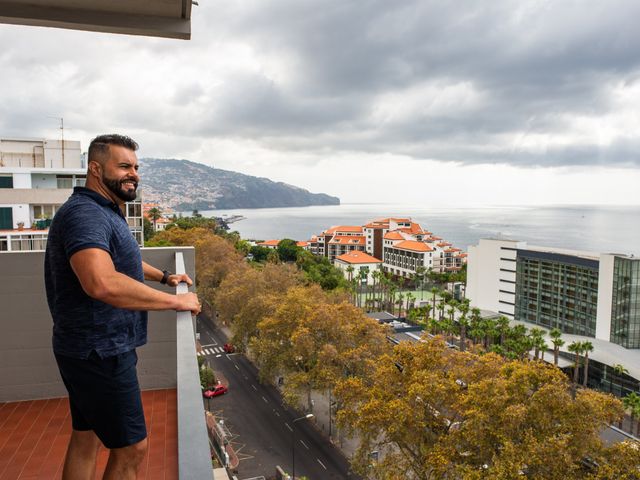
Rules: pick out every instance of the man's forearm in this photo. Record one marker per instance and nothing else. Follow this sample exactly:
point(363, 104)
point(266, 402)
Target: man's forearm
point(151, 272)
point(122, 291)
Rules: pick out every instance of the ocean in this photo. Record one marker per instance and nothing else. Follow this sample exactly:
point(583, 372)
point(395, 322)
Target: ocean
point(604, 229)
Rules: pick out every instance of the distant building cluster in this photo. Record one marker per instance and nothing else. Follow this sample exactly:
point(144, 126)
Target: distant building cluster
point(398, 246)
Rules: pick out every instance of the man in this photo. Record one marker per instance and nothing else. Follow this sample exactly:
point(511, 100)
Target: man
point(94, 276)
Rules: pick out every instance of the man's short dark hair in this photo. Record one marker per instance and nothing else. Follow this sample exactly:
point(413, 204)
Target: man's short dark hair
point(99, 146)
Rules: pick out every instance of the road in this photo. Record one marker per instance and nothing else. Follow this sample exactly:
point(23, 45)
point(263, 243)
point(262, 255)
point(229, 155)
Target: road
point(262, 425)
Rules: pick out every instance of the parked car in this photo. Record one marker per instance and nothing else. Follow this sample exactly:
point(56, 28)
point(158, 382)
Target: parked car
point(229, 348)
point(215, 391)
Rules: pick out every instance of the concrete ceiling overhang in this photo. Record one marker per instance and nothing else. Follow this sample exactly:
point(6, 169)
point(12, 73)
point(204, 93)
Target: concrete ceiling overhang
point(153, 18)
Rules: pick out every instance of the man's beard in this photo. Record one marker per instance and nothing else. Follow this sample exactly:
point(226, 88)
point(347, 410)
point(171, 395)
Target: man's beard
point(116, 187)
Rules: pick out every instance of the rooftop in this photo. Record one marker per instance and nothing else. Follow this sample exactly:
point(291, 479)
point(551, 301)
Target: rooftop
point(357, 257)
point(414, 246)
point(34, 435)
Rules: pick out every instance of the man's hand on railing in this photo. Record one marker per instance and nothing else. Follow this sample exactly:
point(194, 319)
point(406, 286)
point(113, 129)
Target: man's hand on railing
point(175, 278)
point(188, 302)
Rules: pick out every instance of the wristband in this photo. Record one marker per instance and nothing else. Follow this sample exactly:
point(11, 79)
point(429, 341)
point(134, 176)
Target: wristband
point(165, 277)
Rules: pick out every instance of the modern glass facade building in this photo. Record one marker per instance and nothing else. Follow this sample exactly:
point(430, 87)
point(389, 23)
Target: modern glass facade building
point(557, 291)
point(625, 311)
point(589, 296)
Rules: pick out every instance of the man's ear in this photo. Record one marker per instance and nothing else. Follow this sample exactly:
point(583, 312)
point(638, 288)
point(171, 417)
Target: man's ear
point(95, 169)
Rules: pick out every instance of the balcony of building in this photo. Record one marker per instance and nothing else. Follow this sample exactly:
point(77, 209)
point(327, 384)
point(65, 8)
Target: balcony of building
point(34, 419)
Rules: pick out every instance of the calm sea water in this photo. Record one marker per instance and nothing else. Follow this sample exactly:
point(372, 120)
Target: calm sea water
point(591, 228)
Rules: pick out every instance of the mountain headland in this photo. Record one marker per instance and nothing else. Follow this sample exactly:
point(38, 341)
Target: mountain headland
point(184, 185)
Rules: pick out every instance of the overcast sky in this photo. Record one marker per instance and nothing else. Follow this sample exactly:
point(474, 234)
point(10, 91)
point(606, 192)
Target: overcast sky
point(423, 102)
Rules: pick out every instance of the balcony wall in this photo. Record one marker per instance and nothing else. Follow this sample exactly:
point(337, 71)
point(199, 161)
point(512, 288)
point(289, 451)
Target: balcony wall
point(27, 367)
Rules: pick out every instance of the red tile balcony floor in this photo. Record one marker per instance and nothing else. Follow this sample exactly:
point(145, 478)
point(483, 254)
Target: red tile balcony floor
point(34, 436)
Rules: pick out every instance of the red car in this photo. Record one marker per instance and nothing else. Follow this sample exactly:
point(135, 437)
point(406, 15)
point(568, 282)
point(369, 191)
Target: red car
point(215, 391)
point(228, 348)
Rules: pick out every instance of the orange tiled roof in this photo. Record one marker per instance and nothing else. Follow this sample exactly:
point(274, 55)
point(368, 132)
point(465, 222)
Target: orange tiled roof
point(269, 243)
point(444, 244)
point(378, 223)
point(400, 220)
point(415, 229)
point(393, 236)
point(464, 254)
point(302, 244)
point(346, 229)
point(413, 246)
point(348, 240)
point(357, 257)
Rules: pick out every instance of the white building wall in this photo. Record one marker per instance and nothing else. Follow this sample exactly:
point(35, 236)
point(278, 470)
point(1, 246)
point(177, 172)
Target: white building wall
point(40, 180)
point(20, 213)
point(22, 180)
point(487, 275)
point(38, 153)
point(605, 297)
point(356, 269)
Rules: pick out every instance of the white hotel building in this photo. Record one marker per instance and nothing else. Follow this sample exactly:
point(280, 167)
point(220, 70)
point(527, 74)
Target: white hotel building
point(401, 244)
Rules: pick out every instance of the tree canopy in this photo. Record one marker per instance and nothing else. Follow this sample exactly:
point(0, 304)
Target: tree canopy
point(434, 412)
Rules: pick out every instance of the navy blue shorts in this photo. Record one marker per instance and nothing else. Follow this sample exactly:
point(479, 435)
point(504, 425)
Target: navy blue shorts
point(104, 396)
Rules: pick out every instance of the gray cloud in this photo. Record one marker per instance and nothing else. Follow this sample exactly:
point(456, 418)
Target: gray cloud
point(480, 82)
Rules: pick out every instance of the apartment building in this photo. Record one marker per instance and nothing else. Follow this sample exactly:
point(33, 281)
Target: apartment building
point(338, 240)
point(402, 245)
point(362, 265)
point(588, 296)
point(36, 178)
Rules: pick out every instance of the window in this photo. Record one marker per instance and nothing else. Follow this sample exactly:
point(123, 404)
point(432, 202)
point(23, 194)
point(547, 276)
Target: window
point(64, 181)
point(44, 211)
point(6, 181)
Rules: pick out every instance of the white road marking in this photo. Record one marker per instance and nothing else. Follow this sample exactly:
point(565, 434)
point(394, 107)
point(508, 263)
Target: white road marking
point(277, 414)
point(218, 356)
point(265, 400)
point(236, 365)
point(254, 387)
point(321, 464)
point(305, 445)
point(210, 345)
point(287, 425)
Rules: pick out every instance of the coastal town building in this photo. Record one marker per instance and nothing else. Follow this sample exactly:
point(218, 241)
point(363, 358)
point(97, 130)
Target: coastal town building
point(588, 296)
point(273, 244)
point(36, 178)
point(357, 264)
point(402, 245)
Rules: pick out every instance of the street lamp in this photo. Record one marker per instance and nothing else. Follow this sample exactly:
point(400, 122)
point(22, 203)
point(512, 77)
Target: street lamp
point(293, 443)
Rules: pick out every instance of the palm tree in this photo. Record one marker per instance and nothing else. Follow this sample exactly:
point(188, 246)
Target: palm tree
point(434, 293)
point(586, 348)
point(503, 328)
point(576, 349)
point(463, 322)
point(555, 335)
point(537, 339)
point(419, 276)
point(619, 370)
point(474, 324)
point(410, 301)
point(632, 402)
point(154, 214)
point(400, 302)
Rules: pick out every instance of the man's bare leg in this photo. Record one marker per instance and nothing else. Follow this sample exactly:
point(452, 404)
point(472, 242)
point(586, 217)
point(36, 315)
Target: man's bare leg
point(124, 462)
point(80, 462)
